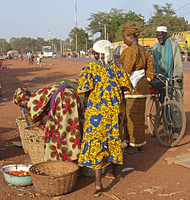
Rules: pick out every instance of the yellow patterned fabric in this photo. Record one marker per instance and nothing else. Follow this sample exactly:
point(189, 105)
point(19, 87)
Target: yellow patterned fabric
point(104, 114)
point(135, 109)
point(130, 29)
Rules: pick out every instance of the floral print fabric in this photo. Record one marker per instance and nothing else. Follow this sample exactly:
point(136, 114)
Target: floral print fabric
point(104, 114)
point(62, 130)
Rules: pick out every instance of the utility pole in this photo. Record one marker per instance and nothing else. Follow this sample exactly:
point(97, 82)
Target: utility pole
point(105, 31)
point(75, 7)
point(86, 45)
point(61, 47)
point(76, 43)
point(49, 34)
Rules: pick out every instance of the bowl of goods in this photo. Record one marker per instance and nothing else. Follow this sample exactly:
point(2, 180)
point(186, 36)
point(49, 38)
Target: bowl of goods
point(17, 174)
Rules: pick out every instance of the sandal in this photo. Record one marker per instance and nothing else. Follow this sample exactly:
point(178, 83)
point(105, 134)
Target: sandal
point(113, 176)
point(110, 175)
point(118, 176)
point(97, 193)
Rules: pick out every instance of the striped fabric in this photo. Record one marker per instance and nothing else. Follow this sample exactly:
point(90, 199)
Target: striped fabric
point(135, 109)
point(136, 58)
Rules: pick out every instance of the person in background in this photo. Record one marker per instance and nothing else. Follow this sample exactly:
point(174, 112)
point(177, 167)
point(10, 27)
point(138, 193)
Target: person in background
point(185, 47)
point(39, 59)
point(167, 61)
point(57, 108)
point(54, 54)
point(30, 58)
point(137, 63)
point(102, 83)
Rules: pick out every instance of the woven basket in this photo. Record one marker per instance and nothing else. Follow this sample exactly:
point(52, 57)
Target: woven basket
point(54, 178)
point(35, 143)
point(22, 124)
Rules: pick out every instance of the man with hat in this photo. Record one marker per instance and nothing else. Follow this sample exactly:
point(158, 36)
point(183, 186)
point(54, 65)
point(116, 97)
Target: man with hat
point(167, 61)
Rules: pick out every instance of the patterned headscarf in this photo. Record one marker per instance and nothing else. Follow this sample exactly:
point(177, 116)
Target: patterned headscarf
point(130, 29)
point(19, 95)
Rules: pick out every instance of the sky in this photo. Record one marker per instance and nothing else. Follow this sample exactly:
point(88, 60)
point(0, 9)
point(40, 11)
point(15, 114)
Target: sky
point(24, 18)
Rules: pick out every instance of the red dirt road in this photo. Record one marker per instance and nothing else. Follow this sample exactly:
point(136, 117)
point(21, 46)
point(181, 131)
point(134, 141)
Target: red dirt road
point(152, 177)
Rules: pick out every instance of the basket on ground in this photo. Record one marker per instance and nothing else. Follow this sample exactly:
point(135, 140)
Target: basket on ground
point(54, 178)
point(22, 124)
point(35, 144)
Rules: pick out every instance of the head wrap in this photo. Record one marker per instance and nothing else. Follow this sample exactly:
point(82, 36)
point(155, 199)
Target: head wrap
point(104, 47)
point(19, 95)
point(130, 29)
point(162, 29)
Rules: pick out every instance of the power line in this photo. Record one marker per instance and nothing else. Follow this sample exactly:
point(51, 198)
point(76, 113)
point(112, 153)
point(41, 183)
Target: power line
point(182, 6)
point(182, 15)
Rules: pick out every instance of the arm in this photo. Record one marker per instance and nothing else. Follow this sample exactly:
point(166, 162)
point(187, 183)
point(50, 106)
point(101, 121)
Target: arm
point(149, 67)
point(86, 81)
point(178, 66)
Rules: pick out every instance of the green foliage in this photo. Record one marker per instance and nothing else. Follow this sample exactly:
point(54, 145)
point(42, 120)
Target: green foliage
point(4, 46)
point(108, 25)
point(79, 39)
point(165, 16)
point(26, 44)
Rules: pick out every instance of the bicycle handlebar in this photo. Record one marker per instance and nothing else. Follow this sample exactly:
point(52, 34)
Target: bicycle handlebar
point(160, 76)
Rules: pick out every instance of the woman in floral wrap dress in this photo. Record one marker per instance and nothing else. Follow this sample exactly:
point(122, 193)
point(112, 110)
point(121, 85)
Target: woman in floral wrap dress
point(58, 107)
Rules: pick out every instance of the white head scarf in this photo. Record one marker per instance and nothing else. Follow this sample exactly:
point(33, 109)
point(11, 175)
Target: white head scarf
point(105, 47)
point(162, 29)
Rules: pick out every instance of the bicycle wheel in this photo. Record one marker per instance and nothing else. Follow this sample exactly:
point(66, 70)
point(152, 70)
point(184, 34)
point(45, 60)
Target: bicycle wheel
point(153, 106)
point(170, 124)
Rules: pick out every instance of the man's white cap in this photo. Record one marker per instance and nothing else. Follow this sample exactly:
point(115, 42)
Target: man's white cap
point(162, 29)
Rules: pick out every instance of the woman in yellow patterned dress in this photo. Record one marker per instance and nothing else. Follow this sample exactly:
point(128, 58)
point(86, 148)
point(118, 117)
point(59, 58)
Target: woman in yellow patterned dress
point(102, 81)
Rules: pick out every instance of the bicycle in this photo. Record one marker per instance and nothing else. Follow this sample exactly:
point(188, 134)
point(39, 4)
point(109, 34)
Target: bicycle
point(167, 120)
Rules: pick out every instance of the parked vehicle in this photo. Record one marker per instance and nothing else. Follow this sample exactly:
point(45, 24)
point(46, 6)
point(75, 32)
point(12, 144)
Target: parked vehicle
point(117, 53)
point(12, 54)
point(47, 51)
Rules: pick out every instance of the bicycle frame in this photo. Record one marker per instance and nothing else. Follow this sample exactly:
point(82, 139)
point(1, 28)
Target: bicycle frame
point(170, 120)
point(167, 112)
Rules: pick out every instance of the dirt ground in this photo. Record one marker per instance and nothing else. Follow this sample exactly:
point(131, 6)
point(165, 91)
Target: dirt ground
point(152, 177)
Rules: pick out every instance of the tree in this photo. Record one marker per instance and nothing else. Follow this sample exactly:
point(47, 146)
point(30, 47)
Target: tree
point(97, 21)
point(166, 16)
point(113, 21)
point(78, 37)
point(4, 46)
point(129, 18)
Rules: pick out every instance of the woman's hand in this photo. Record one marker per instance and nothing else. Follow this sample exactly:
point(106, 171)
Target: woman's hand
point(44, 119)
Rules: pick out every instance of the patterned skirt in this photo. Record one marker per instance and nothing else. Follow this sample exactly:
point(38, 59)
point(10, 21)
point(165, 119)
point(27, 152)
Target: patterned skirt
point(135, 131)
